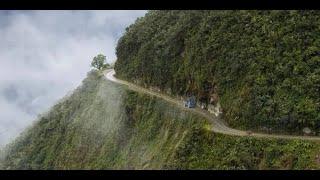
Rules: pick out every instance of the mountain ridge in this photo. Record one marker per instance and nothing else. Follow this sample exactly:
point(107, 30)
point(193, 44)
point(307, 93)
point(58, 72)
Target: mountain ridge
point(85, 132)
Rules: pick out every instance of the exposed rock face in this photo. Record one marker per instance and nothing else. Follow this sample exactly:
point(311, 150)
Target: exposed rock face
point(215, 109)
point(214, 98)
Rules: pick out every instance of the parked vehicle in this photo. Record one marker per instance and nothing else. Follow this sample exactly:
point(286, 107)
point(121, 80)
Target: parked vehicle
point(190, 102)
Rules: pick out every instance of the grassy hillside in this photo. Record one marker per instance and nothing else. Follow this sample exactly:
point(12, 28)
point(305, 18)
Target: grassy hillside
point(103, 125)
point(262, 66)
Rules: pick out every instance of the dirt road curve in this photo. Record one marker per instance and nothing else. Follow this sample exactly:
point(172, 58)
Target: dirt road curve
point(218, 125)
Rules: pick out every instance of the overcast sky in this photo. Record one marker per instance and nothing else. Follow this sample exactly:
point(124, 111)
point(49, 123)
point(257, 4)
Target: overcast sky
point(46, 54)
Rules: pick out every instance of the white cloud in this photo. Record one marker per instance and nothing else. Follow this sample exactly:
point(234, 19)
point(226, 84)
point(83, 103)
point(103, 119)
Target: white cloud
point(45, 54)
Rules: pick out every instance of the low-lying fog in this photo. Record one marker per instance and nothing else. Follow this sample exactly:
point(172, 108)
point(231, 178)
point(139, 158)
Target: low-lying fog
point(46, 54)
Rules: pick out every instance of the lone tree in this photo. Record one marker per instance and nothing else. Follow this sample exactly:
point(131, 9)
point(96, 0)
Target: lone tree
point(98, 61)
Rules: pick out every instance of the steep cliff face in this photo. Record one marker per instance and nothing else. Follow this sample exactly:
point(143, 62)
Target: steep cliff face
point(103, 125)
point(262, 66)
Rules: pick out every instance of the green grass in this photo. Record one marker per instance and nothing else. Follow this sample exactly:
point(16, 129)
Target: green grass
point(103, 125)
point(205, 150)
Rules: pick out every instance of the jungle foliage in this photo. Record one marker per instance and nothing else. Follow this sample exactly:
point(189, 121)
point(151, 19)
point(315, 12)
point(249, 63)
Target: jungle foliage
point(102, 125)
point(264, 65)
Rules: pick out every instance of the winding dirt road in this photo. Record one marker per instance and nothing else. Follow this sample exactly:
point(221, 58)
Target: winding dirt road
point(218, 125)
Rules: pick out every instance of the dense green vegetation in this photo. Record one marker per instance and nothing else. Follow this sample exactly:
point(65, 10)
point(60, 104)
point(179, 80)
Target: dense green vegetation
point(103, 125)
point(263, 65)
point(71, 133)
point(205, 150)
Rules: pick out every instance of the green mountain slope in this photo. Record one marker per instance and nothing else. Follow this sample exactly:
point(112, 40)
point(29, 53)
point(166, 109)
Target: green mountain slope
point(103, 125)
point(262, 66)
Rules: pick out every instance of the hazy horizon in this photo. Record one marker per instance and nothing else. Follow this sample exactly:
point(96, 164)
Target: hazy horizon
point(45, 54)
